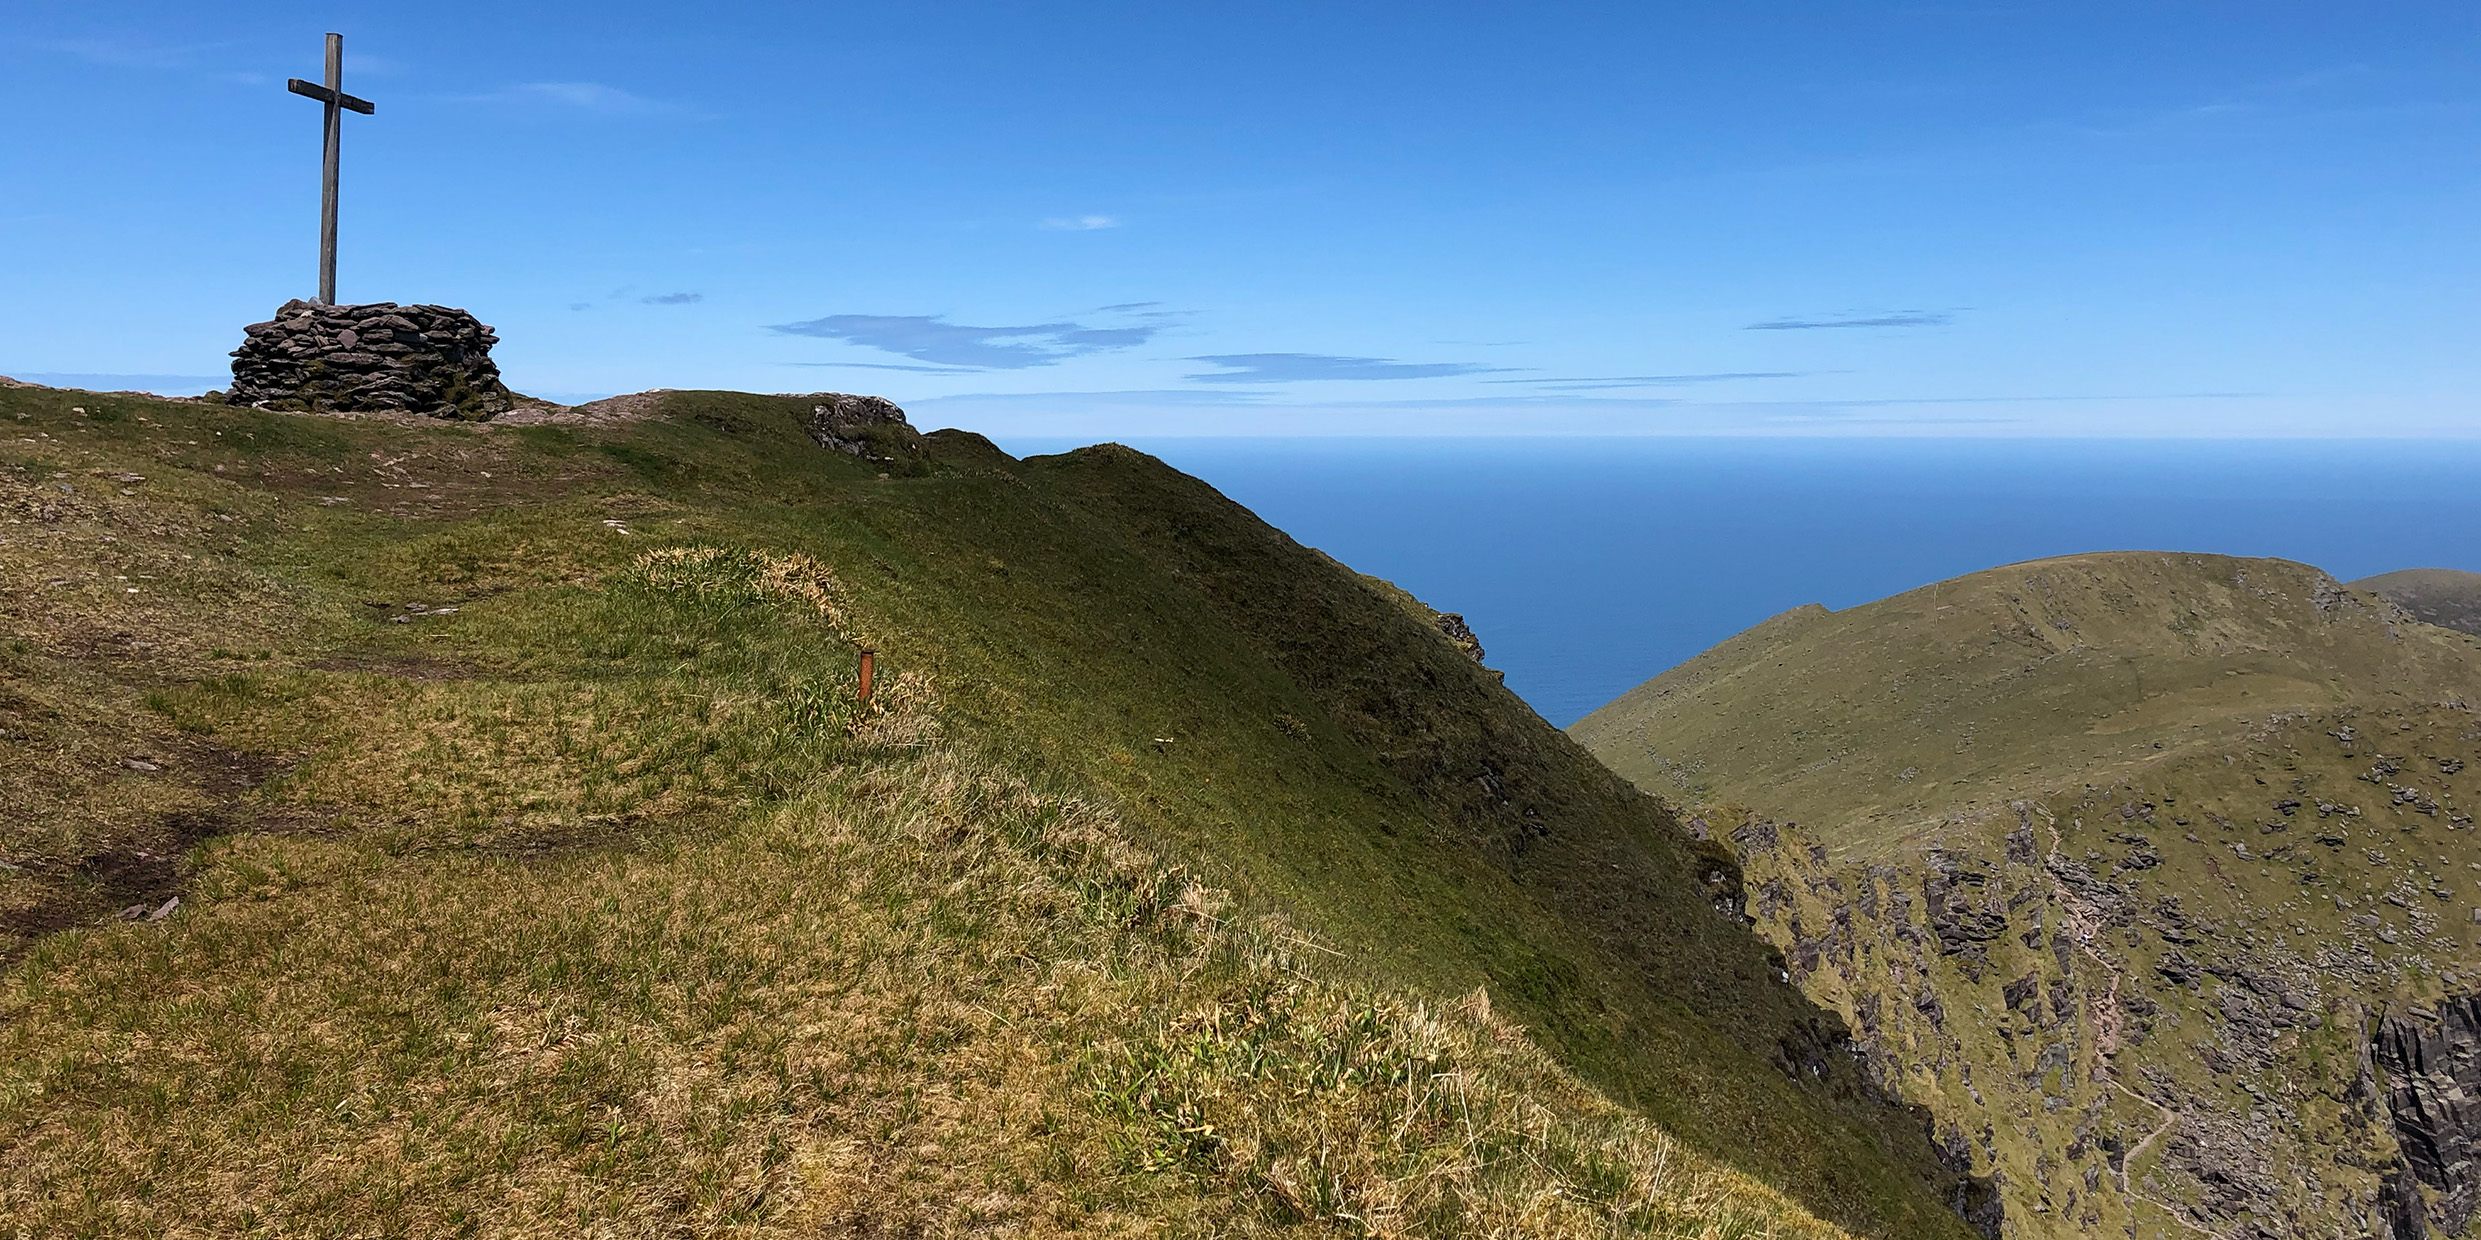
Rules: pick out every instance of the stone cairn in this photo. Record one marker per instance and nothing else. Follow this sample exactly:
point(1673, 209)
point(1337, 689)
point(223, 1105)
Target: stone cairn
point(381, 357)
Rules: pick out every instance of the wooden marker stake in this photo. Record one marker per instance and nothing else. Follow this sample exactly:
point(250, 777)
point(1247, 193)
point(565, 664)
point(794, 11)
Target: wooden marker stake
point(866, 675)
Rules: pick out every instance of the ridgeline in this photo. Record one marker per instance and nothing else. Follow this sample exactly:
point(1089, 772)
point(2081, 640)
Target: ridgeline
point(2152, 876)
point(2447, 597)
point(421, 827)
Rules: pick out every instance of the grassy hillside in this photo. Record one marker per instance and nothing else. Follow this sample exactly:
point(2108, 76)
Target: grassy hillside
point(2448, 597)
point(2117, 863)
point(446, 829)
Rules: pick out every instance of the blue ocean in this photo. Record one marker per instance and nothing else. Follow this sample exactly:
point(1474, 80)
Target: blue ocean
point(1588, 565)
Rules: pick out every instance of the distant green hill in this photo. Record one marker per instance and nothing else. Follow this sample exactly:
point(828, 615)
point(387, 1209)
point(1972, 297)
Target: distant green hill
point(2443, 596)
point(417, 828)
point(2149, 874)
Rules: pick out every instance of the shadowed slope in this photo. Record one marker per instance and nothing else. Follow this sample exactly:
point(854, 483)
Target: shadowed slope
point(2443, 596)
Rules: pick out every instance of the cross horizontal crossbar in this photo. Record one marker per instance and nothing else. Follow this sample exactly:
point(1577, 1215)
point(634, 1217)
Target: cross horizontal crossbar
point(324, 95)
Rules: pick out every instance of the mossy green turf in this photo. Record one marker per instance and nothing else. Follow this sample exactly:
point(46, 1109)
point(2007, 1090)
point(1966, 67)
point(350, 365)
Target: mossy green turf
point(2213, 820)
point(254, 605)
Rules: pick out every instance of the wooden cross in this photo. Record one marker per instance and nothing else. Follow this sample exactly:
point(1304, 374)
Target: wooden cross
point(334, 96)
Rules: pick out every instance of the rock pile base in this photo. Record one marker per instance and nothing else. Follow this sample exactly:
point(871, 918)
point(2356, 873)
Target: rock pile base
point(381, 357)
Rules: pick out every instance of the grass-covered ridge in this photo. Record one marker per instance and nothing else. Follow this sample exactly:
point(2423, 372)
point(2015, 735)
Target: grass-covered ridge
point(2117, 863)
point(1959, 696)
point(2447, 597)
point(536, 872)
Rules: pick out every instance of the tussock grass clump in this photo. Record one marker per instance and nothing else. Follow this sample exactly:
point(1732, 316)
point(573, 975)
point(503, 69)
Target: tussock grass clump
point(724, 577)
point(900, 713)
point(1319, 1103)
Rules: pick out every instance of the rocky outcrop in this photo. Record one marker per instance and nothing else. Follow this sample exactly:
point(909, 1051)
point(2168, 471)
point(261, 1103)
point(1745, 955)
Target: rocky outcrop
point(1457, 631)
point(2432, 1063)
point(1964, 911)
point(382, 357)
point(870, 427)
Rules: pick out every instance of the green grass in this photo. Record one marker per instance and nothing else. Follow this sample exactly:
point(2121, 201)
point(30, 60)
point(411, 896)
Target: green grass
point(539, 874)
point(2265, 782)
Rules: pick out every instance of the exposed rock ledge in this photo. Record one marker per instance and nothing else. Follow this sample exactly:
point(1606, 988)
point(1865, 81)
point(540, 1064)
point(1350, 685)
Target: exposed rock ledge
point(2432, 1063)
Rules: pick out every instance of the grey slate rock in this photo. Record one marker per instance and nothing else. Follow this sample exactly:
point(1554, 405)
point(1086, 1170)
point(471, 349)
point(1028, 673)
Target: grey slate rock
point(377, 358)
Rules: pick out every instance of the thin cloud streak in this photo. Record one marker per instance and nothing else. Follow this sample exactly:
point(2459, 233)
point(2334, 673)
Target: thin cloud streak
point(1138, 397)
point(1904, 318)
point(674, 299)
point(1552, 400)
point(130, 54)
point(593, 97)
point(931, 338)
point(919, 370)
point(1886, 402)
point(1605, 383)
point(1307, 367)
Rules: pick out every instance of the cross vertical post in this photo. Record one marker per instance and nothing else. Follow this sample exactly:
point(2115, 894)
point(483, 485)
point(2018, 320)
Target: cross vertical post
point(330, 162)
point(333, 95)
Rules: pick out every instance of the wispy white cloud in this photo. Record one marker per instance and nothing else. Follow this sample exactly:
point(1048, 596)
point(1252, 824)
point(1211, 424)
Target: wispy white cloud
point(674, 299)
point(1297, 367)
point(1899, 318)
point(919, 370)
point(1606, 382)
point(594, 97)
point(1080, 223)
point(1264, 412)
point(1145, 398)
point(931, 338)
point(124, 53)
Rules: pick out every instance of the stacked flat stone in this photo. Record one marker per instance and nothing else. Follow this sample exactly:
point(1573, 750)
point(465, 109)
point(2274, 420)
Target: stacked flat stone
point(381, 357)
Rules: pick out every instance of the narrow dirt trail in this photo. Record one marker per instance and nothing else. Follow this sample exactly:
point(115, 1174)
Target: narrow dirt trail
point(2081, 928)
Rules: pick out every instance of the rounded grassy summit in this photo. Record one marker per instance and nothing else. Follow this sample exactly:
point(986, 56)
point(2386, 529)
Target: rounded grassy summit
point(1984, 688)
point(2450, 597)
point(2151, 875)
point(431, 827)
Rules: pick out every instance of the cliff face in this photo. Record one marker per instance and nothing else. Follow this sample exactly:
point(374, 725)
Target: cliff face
point(2152, 878)
point(2432, 1066)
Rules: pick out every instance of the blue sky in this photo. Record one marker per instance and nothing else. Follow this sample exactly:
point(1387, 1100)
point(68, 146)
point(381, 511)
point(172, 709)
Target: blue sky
point(2204, 219)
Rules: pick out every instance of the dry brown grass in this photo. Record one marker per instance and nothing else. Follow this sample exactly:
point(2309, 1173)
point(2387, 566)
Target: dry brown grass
point(922, 998)
point(555, 888)
point(670, 956)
